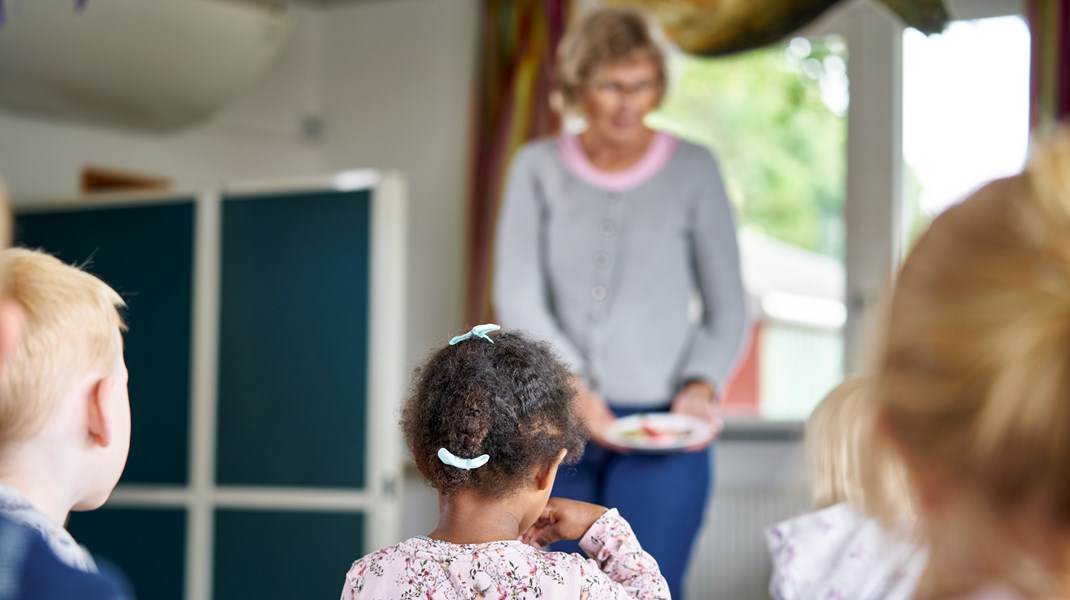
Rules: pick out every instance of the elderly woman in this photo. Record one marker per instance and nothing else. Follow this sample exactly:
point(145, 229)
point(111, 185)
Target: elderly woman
point(605, 240)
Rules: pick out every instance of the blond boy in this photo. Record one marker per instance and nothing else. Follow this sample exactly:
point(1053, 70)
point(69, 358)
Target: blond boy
point(64, 408)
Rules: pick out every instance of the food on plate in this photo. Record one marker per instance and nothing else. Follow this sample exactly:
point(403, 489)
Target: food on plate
point(652, 432)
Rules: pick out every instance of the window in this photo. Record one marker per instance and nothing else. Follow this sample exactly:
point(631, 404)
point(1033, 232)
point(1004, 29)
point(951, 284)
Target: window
point(776, 120)
point(965, 113)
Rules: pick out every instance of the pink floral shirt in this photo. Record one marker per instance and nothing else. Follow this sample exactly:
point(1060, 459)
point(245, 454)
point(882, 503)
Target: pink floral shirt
point(424, 568)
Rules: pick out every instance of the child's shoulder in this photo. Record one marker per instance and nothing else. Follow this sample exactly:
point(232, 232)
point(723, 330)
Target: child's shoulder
point(388, 554)
point(418, 552)
point(367, 570)
point(564, 561)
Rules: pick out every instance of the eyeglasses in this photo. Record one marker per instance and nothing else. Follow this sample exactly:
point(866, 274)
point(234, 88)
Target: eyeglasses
point(620, 90)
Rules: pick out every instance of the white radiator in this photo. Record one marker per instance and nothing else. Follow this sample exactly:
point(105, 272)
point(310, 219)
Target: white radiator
point(730, 561)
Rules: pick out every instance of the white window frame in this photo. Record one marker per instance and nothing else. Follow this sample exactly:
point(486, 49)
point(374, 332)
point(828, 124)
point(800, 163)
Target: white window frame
point(874, 198)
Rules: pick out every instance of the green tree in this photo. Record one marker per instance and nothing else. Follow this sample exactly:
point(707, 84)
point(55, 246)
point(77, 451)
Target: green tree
point(782, 146)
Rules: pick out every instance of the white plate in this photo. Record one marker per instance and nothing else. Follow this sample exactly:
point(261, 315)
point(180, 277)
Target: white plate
point(680, 432)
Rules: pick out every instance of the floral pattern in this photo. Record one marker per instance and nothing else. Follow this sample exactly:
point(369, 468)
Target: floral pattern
point(422, 568)
point(839, 554)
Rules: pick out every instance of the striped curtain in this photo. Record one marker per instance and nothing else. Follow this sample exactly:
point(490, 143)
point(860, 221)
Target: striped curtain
point(517, 54)
point(1049, 22)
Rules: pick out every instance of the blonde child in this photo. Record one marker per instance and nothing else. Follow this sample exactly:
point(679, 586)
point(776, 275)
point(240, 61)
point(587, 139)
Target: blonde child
point(490, 418)
point(973, 385)
point(64, 410)
point(840, 552)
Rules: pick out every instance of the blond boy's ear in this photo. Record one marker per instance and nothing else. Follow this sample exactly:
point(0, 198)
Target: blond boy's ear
point(12, 320)
point(101, 428)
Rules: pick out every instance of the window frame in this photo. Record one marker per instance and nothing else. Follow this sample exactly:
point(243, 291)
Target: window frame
point(874, 196)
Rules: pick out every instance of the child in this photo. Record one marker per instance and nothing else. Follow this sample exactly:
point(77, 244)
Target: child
point(489, 420)
point(973, 385)
point(64, 411)
point(838, 551)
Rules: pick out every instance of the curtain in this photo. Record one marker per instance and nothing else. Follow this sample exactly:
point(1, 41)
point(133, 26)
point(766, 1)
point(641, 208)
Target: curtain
point(518, 48)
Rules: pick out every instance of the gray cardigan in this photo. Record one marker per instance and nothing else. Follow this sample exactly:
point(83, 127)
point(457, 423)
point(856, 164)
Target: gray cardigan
point(608, 276)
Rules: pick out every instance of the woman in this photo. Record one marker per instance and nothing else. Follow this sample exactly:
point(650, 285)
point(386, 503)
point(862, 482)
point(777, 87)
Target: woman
point(603, 242)
point(973, 385)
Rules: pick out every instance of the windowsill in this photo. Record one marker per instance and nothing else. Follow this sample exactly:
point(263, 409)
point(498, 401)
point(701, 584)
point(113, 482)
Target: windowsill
point(749, 430)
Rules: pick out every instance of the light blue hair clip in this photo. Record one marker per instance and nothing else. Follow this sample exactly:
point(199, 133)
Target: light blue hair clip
point(467, 464)
point(479, 331)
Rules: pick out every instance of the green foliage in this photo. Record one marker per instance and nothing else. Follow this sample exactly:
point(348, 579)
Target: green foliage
point(915, 218)
point(782, 147)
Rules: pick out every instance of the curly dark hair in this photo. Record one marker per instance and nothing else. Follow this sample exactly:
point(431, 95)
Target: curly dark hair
point(513, 400)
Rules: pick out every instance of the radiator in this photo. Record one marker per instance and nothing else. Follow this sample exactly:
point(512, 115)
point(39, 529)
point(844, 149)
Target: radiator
point(730, 561)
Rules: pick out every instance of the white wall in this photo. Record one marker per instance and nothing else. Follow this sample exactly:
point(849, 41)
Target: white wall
point(257, 136)
point(391, 82)
point(399, 77)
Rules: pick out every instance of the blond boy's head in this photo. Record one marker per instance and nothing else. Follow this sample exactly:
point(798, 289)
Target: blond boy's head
point(65, 378)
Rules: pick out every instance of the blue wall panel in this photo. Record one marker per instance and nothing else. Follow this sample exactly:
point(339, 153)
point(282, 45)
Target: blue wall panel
point(284, 555)
point(293, 340)
point(146, 254)
point(148, 545)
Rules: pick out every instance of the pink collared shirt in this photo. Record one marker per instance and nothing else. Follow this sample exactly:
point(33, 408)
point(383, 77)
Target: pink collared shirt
point(657, 155)
point(606, 266)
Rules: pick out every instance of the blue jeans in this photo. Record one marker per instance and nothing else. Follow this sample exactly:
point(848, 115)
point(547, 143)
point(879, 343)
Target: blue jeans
point(663, 496)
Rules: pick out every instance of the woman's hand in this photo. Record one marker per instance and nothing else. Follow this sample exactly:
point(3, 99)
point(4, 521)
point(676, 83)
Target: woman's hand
point(597, 416)
point(562, 520)
point(699, 399)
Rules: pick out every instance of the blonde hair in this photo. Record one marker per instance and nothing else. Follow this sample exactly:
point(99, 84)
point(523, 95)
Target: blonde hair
point(974, 378)
point(72, 326)
point(843, 462)
point(5, 232)
point(605, 36)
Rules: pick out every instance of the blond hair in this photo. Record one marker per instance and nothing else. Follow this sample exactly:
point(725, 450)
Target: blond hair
point(605, 36)
point(974, 378)
point(5, 231)
point(843, 462)
point(72, 326)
